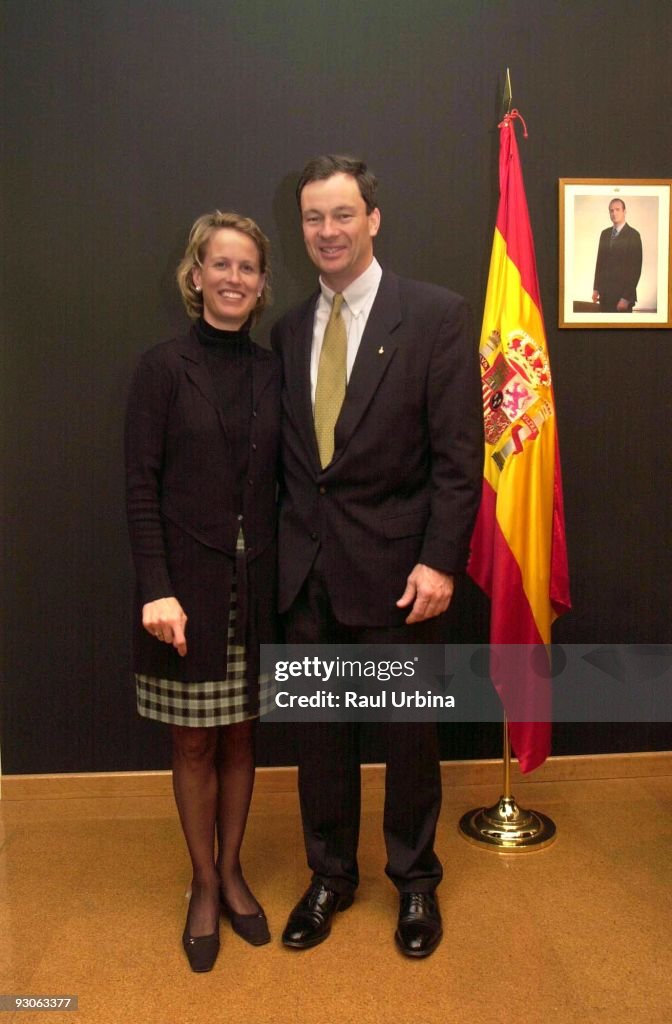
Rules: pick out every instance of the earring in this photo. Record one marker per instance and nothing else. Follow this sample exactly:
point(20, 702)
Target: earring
point(258, 295)
point(197, 287)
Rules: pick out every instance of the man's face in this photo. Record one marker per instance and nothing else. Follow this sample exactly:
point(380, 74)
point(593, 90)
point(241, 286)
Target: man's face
point(617, 212)
point(337, 230)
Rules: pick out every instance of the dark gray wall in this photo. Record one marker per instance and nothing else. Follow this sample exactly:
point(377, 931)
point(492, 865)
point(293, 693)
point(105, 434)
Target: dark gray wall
point(125, 120)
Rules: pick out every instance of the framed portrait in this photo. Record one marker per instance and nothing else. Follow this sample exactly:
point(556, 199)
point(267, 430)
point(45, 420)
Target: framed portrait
point(615, 246)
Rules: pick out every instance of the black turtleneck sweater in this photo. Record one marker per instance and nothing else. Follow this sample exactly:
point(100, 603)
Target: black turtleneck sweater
point(228, 355)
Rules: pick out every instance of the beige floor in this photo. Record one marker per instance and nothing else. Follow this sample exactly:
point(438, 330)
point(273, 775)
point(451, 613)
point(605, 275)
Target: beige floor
point(93, 904)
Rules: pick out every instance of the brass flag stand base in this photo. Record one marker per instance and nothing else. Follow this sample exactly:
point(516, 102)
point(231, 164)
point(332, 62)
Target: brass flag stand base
point(505, 828)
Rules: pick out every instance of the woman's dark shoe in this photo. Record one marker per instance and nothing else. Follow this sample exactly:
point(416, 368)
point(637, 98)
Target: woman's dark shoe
point(251, 927)
point(201, 950)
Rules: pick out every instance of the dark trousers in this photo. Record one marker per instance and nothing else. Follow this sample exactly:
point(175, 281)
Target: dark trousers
point(329, 765)
point(608, 304)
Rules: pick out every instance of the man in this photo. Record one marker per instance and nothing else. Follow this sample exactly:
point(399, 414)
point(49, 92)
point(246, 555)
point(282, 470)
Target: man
point(382, 452)
point(619, 263)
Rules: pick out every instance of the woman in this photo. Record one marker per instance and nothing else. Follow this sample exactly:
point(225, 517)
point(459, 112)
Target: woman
point(201, 452)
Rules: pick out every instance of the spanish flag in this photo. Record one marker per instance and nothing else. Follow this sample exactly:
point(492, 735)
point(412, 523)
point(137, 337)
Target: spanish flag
point(519, 554)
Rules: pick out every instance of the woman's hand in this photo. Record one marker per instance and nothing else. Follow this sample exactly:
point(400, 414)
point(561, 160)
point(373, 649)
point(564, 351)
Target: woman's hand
point(166, 621)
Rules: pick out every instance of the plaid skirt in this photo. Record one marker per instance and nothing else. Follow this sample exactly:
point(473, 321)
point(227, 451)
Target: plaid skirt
point(208, 703)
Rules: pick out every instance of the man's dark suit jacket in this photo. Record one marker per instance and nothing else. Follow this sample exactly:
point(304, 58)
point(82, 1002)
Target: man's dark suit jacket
point(405, 481)
point(182, 521)
point(618, 267)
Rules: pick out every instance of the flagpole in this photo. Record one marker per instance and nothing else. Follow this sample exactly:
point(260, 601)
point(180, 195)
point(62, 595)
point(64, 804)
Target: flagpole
point(518, 551)
point(504, 827)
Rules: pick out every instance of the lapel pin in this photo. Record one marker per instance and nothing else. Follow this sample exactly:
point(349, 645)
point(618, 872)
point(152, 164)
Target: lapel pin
point(381, 350)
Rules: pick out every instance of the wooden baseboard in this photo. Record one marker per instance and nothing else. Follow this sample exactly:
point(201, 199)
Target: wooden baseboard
point(281, 780)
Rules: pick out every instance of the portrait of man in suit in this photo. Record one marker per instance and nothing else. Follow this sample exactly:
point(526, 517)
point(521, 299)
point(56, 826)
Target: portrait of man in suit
point(382, 463)
point(619, 263)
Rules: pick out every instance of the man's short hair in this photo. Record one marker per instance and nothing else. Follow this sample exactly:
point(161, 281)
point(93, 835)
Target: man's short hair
point(323, 167)
point(617, 199)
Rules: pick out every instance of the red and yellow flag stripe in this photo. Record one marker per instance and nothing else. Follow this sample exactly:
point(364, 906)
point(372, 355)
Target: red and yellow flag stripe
point(519, 554)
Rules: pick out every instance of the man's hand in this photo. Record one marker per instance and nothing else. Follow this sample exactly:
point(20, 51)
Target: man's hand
point(166, 621)
point(596, 296)
point(622, 305)
point(429, 591)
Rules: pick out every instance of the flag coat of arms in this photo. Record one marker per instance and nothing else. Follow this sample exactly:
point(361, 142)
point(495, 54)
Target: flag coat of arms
point(519, 554)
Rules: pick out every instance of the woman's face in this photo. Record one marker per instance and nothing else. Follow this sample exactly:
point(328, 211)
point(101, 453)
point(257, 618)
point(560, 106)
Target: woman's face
point(230, 279)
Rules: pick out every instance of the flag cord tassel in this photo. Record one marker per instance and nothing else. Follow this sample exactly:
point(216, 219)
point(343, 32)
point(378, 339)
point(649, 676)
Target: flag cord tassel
point(511, 116)
point(504, 827)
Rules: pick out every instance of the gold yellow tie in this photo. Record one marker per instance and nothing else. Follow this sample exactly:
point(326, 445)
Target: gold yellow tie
point(331, 381)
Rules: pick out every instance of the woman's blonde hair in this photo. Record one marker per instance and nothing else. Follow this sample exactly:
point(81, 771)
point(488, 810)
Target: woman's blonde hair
point(201, 232)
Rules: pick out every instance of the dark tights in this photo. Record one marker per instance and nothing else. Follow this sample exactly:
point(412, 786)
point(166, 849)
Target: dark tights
point(213, 776)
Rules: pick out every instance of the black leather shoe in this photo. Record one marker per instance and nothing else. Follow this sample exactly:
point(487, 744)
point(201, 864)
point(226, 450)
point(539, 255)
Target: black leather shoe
point(310, 921)
point(419, 929)
point(251, 927)
point(201, 950)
